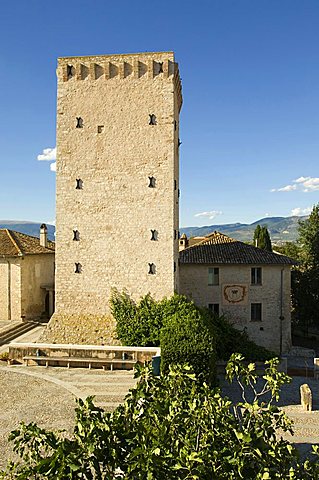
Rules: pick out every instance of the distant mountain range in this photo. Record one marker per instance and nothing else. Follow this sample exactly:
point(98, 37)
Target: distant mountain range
point(281, 229)
point(30, 228)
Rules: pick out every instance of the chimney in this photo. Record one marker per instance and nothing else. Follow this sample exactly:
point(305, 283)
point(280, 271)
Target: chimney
point(183, 242)
point(43, 235)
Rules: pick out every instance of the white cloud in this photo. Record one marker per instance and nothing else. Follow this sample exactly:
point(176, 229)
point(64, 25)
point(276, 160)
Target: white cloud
point(305, 184)
point(48, 154)
point(53, 167)
point(287, 188)
point(301, 211)
point(211, 214)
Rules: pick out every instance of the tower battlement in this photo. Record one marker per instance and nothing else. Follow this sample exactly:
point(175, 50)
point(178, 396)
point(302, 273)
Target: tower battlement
point(146, 66)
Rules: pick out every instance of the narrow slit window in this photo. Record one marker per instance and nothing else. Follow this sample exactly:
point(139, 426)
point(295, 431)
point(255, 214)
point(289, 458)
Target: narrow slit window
point(154, 235)
point(175, 234)
point(179, 193)
point(175, 125)
point(79, 122)
point(174, 266)
point(175, 184)
point(100, 128)
point(152, 182)
point(76, 235)
point(151, 269)
point(70, 71)
point(79, 184)
point(160, 67)
point(78, 268)
point(152, 119)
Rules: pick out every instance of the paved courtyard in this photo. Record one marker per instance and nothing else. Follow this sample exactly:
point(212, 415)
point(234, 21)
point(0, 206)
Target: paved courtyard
point(47, 396)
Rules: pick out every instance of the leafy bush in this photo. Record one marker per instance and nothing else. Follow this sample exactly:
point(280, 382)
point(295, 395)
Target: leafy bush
point(171, 428)
point(189, 339)
point(136, 324)
point(231, 340)
point(140, 324)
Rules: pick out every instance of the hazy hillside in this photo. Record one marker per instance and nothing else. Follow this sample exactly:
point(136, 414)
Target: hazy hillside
point(281, 229)
point(30, 228)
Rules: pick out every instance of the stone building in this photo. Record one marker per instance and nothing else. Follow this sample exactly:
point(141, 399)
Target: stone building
point(117, 184)
point(250, 286)
point(26, 275)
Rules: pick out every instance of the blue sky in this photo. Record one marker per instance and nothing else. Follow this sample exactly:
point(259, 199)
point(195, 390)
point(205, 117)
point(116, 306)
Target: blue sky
point(250, 119)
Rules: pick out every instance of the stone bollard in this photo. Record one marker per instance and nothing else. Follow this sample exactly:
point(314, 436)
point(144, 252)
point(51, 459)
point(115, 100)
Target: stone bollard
point(306, 397)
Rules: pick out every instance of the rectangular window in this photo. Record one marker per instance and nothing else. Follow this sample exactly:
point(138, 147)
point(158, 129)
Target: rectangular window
point(256, 276)
point(255, 312)
point(214, 307)
point(213, 276)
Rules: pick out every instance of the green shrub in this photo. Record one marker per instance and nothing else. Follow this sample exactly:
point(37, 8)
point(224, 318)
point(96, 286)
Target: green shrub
point(230, 340)
point(189, 338)
point(140, 324)
point(136, 324)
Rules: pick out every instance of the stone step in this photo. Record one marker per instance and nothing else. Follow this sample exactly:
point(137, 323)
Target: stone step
point(15, 331)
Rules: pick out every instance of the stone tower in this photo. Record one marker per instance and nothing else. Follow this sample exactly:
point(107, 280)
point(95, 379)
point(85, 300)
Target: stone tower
point(117, 181)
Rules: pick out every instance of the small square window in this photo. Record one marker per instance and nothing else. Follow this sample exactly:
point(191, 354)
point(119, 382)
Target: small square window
point(214, 307)
point(213, 276)
point(256, 278)
point(100, 128)
point(255, 312)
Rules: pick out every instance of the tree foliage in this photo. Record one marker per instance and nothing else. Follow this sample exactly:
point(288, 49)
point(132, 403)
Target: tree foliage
point(309, 239)
point(171, 428)
point(305, 280)
point(140, 324)
point(190, 339)
point(262, 238)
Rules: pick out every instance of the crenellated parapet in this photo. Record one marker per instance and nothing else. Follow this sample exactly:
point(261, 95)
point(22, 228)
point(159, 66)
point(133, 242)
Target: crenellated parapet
point(146, 66)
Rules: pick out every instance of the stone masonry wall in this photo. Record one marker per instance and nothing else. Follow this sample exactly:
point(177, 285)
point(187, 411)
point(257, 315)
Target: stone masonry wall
point(113, 153)
point(36, 271)
point(194, 284)
point(10, 292)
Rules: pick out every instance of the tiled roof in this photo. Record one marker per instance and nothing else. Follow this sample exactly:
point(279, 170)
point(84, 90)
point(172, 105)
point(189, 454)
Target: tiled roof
point(14, 244)
point(217, 248)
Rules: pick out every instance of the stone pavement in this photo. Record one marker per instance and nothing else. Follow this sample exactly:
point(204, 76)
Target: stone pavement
point(47, 396)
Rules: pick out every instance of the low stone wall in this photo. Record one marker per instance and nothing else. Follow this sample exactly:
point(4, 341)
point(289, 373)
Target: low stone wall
point(44, 350)
point(80, 330)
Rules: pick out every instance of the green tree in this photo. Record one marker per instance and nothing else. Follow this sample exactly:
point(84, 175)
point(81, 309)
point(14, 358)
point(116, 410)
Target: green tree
point(171, 428)
point(309, 239)
point(305, 281)
point(262, 238)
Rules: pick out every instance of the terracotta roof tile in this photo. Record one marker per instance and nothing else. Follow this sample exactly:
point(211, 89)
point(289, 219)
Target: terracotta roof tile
point(217, 248)
point(14, 244)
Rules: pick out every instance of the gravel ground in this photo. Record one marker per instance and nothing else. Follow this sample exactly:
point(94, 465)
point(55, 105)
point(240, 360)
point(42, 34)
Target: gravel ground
point(32, 400)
